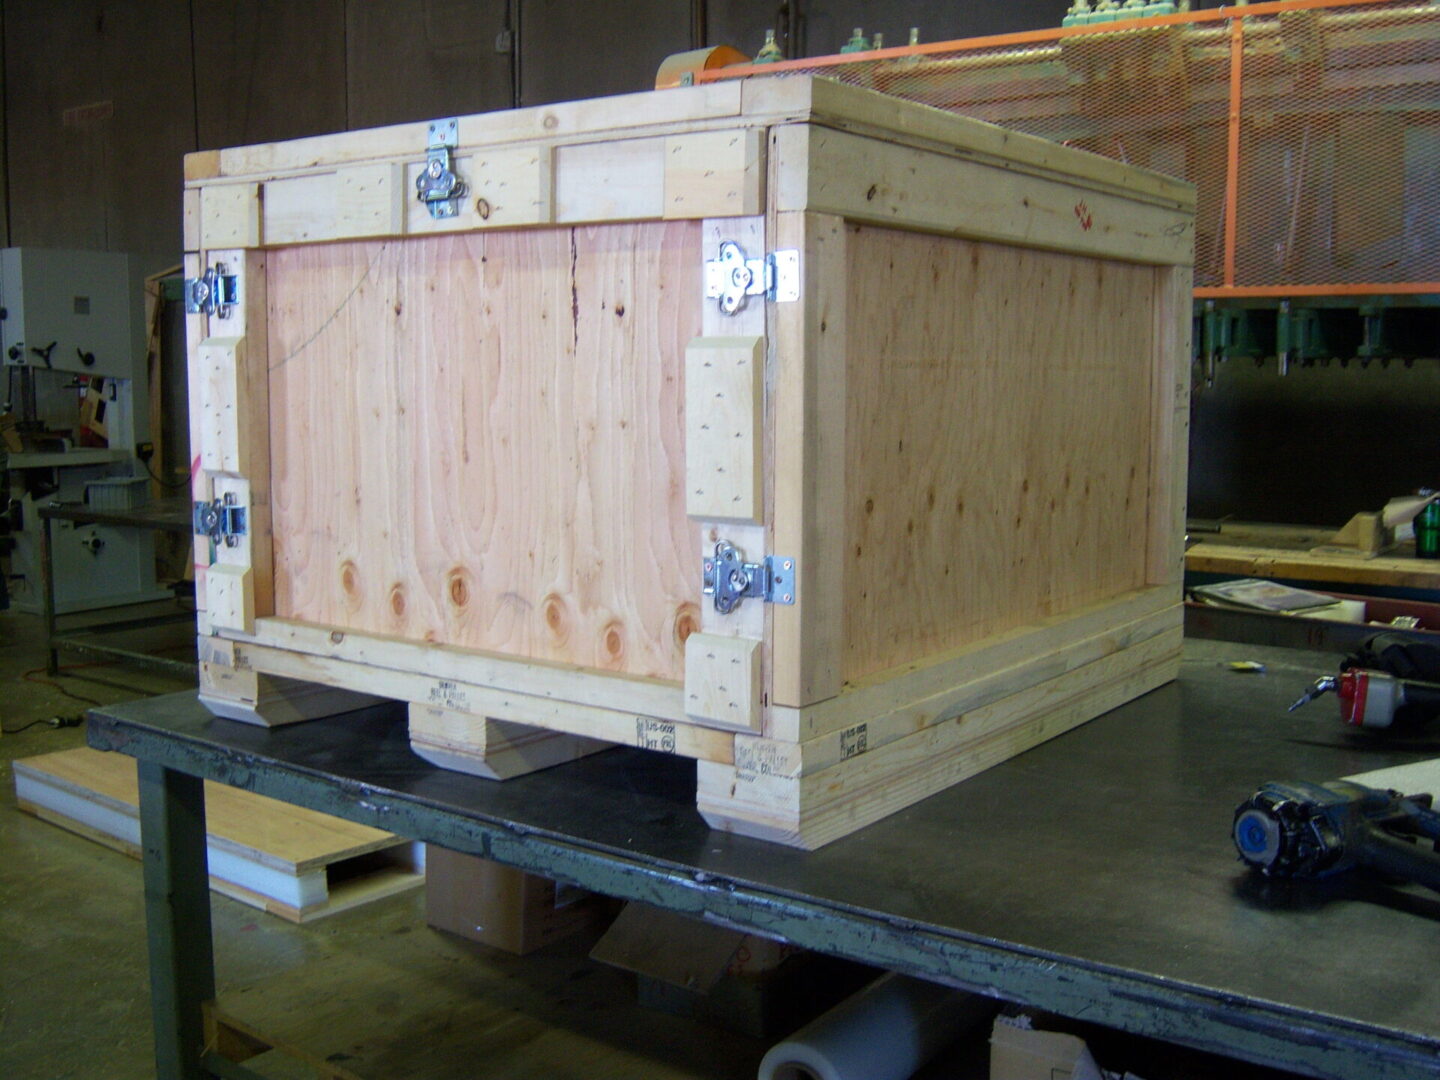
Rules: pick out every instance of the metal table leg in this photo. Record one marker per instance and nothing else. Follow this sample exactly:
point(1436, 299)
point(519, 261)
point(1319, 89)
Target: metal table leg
point(177, 917)
point(47, 596)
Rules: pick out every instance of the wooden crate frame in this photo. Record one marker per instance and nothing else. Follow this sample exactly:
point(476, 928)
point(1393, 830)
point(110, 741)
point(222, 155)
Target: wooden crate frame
point(791, 745)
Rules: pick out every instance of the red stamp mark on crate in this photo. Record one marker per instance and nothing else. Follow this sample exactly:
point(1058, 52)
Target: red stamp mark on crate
point(1082, 212)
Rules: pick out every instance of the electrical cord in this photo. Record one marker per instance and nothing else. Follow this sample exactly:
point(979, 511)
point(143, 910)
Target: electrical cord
point(169, 485)
point(60, 721)
point(53, 721)
point(29, 677)
point(26, 727)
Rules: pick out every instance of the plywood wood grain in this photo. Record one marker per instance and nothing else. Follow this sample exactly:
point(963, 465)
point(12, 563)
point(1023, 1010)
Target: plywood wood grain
point(478, 440)
point(998, 439)
point(269, 832)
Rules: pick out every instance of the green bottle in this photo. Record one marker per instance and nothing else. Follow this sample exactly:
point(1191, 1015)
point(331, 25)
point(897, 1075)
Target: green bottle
point(769, 52)
point(1427, 529)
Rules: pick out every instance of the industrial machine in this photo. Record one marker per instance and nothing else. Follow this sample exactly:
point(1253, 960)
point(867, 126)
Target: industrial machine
point(73, 355)
point(1311, 129)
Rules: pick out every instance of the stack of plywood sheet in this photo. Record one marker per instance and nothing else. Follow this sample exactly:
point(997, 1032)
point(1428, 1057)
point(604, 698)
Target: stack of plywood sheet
point(295, 863)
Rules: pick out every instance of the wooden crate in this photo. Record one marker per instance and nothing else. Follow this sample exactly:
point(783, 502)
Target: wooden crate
point(481, 457)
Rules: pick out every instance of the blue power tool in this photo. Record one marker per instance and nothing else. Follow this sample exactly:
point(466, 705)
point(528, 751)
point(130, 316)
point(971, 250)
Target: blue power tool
point(1299, 829)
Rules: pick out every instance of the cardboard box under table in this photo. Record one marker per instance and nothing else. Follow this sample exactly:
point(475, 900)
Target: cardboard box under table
point(831, 440)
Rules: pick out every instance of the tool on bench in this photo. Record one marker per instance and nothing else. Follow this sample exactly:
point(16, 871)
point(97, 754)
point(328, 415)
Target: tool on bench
point(1390, 680)
point(1299, 829)
point(1373, 699)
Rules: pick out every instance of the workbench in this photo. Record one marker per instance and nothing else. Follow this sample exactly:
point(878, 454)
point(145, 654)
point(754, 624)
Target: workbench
point(1242, 549)
point(172, 515)
point(1093, 876)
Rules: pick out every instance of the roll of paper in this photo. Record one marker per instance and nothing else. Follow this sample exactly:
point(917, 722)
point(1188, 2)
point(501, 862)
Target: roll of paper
point(885, 1032)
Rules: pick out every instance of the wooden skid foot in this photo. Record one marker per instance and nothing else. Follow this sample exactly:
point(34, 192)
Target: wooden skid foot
point(494, 749)
point(271, 700)
point(809, 811)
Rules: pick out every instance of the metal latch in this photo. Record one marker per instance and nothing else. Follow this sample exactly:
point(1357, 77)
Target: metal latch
point(215, 293)
point(732, 277)
point(222, 520)
point(437, 186)
point(730, 579)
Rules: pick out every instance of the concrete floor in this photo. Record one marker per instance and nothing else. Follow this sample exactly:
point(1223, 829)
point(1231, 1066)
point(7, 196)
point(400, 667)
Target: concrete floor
point(74, 995)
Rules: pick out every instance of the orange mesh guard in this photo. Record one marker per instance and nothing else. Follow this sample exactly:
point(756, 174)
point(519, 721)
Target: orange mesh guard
point(1311, 128)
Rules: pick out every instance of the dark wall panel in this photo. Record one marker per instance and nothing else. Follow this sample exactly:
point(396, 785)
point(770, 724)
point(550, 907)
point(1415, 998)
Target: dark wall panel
point(46, 140)
point(99, 115)
point(4, 158)
point(742, 23)
point(823, 26)
point(1314, 446)
point(410, 60)
point(578, 48)
point(268, 70)
point(828, 24)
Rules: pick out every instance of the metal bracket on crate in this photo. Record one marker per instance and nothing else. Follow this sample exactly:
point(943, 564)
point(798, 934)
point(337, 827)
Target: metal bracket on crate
point(214, 293)
point(437, 186)
point(730, 579)
point(222, 520)
point(732, 277)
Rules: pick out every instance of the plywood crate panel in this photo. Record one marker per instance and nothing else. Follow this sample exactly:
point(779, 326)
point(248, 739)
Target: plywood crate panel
point(481, 457)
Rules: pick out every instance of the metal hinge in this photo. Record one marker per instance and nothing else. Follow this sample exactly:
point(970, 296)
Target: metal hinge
point(222, 520)
point(732, 277)
point(215, 293)
point(730, 579)
point(437, 186)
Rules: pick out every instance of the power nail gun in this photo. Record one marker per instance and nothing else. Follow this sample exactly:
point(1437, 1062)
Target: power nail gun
point(1306, 830)
point(1389, 680)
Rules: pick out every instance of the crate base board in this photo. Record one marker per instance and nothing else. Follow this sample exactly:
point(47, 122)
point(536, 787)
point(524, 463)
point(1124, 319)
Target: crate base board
point(647, 714)
point(352, 874)
point(493, 749)
point(812, 811)
point(532, 707)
